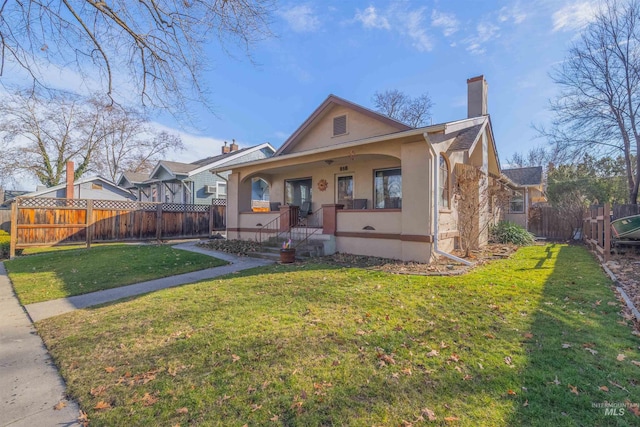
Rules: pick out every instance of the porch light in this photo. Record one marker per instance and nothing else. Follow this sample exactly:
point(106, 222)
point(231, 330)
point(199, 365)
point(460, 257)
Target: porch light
point(328, 162)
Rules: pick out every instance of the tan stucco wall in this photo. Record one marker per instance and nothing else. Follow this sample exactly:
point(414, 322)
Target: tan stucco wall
point(359, 126)
point(388, 222)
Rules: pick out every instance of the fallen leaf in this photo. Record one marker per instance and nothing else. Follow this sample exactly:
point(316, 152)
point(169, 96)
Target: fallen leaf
point(432, 353)
point(83, 418)
point(603, 388)
point(566, 345)
point(467, 377)
point(528, 335)
point(511, 392)
point(556, 381)
point(621, 357)
point(598, 302)
point(255, 407)
point(526, 403)
point(592, 351)
point(109, 369)
point(454, 357)
point(451, 419)
point(97, 391)
point(574, 389)
point(635, 362)
point(443, 345)
point(182, 410)
point(58, 406)
point(406, 371)
point(102, 405)
point(490, 336)
point(275, 418)
point(235, 357)
point(431, 416)
point(633, 407)
point(507, 360)
point(148, 400)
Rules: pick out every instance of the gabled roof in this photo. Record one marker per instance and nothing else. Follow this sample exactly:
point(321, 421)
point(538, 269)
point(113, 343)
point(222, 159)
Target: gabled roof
point(465, 138)
point(525, 176)
point(319, 112)
point(190, 169)
point(78, 182)
point(132, 178)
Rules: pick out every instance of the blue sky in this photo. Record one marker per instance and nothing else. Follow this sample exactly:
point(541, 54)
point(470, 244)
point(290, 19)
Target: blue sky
point(353, 49)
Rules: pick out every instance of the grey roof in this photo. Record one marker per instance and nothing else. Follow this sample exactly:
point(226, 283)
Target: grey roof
point(525, 176)
point(464, 138)
point(135, 177)
point(213, 159)
point(179, 168)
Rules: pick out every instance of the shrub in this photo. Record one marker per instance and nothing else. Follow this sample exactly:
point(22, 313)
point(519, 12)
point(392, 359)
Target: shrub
point(508, 232)
point(5, 244)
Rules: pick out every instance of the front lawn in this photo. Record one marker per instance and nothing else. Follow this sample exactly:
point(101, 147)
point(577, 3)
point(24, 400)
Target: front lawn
point(536, 339)
point(66, 273)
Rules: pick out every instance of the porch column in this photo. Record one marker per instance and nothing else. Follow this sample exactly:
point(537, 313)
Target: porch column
point(330, 218)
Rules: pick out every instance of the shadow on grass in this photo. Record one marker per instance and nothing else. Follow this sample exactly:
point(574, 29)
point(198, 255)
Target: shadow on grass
point(577, 334)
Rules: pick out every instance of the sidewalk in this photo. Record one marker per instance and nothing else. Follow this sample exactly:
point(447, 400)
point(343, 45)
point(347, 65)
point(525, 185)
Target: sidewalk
point(30, 384)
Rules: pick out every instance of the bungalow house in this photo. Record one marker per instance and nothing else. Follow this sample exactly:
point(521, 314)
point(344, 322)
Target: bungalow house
point(369, 184)
point(93, 187)
point(191, 183)
point(527, 190)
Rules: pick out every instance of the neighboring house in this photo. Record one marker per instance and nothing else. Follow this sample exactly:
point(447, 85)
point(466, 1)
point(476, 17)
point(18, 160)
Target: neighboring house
point(191, 183)
point(95, 187)
point(380, 187)
point(527, 190)
point(6, 196)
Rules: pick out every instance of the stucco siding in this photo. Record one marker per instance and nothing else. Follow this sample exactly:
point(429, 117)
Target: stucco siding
point(358, 126)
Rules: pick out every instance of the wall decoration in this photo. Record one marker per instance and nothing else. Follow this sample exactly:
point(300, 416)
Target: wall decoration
point(322, 184)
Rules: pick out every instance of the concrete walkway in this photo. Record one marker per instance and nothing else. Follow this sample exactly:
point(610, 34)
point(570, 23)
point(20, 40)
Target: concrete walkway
point(30, 385)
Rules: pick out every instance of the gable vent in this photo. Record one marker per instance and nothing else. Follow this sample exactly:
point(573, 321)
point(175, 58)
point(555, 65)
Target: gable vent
point(340, 125)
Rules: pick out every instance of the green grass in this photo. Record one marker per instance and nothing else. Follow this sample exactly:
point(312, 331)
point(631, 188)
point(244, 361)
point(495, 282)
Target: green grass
point(66, 273)
point(314, 345)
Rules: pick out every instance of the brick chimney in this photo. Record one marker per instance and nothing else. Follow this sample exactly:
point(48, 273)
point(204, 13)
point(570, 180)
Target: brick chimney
point(477, 97)
point(69, 193)
point(226, 149)
point(234, 146)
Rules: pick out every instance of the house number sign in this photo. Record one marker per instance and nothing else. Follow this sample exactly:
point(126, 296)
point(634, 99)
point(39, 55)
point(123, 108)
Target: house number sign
point(344, 168)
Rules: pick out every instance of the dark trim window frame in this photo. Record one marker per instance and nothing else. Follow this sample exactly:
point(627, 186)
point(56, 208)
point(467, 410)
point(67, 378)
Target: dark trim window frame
point(387, 188)
point(298, 190)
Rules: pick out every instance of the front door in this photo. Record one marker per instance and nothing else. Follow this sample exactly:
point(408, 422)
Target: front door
point(344, 191)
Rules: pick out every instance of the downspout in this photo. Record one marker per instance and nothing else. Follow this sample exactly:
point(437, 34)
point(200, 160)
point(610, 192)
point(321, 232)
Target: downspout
point(434, 195)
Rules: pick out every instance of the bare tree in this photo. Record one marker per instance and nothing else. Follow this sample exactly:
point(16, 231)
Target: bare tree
point(597, 111)
point(130, 143)
point(481, 200)
point(415, 112)
point(157, 46)
point(43, 132)
point(536, 156)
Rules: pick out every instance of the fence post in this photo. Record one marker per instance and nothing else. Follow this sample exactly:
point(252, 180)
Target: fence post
point(89, 222)
point(607, 231)
point(14, 229)
point(211, 214)
point(159, 221)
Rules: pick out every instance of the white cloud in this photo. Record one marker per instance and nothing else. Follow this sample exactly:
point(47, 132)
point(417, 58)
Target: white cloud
point(446, 21)
point(399, 19)
point(301, 18)
point(512, 13)
point(371, 19)
point(415, 29)
point(485, 32)
point(196, 146)
point(574, 16)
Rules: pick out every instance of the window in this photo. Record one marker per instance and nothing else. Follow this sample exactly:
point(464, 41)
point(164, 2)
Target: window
point(388, 189)
point(516, 202)
point(297, 191)
point(221, 190)
point(340, 125)
point(443, 183)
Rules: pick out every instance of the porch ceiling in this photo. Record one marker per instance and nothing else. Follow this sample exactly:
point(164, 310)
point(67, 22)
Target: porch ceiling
point(288, 168)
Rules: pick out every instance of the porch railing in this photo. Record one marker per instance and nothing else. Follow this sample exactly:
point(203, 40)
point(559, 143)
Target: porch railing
point(299, 229)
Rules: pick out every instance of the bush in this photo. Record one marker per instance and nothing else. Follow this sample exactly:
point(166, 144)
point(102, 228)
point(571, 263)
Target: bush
point(5, 244)
point(508, 232)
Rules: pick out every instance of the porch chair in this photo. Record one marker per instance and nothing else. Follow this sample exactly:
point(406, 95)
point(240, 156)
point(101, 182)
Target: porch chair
point(303, 213)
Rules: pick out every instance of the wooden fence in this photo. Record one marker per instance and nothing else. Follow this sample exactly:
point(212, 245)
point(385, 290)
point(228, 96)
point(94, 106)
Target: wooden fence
point(550, 223)
point(597, 230)
point(47, 222)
